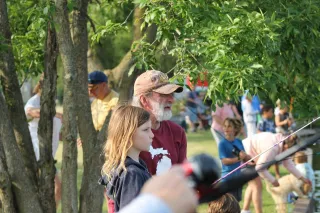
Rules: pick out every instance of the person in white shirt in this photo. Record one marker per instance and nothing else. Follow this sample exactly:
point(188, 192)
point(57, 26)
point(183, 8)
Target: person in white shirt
point(249, 116)
point(32, 110)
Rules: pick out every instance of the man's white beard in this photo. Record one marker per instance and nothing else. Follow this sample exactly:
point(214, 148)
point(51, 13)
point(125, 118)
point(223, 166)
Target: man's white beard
point(159, 112)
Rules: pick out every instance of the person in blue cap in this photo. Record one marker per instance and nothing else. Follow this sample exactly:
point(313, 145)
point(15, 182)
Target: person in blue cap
point(105, 97)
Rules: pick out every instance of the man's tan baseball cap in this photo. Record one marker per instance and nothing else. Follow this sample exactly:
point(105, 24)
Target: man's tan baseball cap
point(156, 81)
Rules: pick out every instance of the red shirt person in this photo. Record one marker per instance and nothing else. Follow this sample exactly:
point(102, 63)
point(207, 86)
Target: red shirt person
point(154, 93)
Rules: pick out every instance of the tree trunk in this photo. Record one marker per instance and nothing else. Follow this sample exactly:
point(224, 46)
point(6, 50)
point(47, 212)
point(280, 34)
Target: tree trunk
point(126, 86)
point(48, 98)
point(6, 195)
point(69, 161)
point(11, 90)
point(94, 62)
point(24, 190)
point(91, 194)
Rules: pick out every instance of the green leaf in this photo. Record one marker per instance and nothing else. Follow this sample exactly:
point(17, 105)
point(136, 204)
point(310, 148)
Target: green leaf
point(45, 10)
point(230, 19)
point(131, 70)
point(152, 15)
point(256, 66)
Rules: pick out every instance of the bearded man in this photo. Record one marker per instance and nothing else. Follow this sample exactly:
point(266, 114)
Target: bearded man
point(154, 93)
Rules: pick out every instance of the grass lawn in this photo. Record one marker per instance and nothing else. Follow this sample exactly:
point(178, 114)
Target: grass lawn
point(201, 142)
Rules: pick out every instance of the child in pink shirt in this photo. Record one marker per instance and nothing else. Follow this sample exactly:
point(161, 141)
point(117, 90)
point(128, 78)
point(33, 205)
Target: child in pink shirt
point(255, 145)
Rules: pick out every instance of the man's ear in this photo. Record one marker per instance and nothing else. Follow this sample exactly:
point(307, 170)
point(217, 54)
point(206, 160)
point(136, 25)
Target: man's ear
point(144, 102)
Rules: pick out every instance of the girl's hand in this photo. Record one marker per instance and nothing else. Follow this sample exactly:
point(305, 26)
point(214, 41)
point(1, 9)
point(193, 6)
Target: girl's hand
point(242, 155)
point(306, 181)
point(251, 163)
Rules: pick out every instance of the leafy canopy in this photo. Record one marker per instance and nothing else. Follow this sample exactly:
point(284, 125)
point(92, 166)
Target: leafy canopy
point(269, 47)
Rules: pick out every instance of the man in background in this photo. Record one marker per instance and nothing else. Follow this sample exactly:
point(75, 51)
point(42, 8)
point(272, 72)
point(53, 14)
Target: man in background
point(105, 98)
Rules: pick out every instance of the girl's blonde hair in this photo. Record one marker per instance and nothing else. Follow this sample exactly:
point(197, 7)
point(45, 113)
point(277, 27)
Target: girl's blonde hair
point(123, 123)
point(236, 123)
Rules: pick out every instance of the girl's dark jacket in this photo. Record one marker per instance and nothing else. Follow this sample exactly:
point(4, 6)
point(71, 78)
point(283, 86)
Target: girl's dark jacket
point(126, 185)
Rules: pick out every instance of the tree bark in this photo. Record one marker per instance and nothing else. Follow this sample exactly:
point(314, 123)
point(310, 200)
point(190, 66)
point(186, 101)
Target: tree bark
point(13, 96)
point(93, 62)
point(69, 161)
point(91, 194)
point(6, 196)
point(48, 98)
point(24, 190)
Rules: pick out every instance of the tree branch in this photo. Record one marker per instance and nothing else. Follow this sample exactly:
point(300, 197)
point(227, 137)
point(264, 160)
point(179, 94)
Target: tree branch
point(118, 74)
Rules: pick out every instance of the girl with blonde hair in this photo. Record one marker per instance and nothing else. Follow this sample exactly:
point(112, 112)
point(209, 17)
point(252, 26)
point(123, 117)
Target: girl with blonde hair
point(129, 133)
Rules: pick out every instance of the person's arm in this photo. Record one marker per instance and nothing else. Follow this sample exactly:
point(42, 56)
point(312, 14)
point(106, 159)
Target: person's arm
point(235, 111)
point(265, 174)
point(280, 123)
point(289, 165)
point(290, 120)
point(226, 160)
point(132, 183)
point(216, 115)
point(242, 157)
point(217, 119)
point(183, 148)
point(33, 112)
